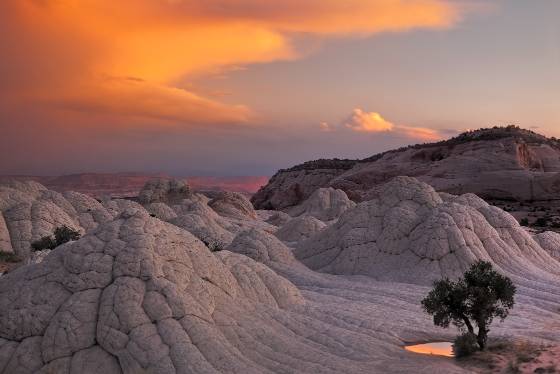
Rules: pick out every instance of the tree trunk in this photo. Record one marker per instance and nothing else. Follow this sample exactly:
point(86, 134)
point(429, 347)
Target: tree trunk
point(468, 324)
point(482, 336)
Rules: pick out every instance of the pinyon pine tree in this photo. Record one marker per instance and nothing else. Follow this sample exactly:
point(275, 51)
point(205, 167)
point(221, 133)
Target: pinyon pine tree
point(475, 299)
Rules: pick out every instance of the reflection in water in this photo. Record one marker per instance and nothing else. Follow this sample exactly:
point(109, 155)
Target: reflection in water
point(435, 348)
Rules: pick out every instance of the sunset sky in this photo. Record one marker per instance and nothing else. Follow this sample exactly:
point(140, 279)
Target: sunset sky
point(226, 87)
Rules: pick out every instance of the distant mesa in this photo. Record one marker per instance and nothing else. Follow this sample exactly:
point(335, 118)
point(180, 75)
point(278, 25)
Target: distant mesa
point(505, 163)
point(124, 185)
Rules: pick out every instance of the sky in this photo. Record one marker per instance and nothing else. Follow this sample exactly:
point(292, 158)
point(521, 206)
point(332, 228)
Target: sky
point(226, 87)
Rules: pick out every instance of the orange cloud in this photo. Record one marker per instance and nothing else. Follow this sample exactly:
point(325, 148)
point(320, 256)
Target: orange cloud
point(373, 122)
point(420, 133)
point(62, 51)
point(368, 122)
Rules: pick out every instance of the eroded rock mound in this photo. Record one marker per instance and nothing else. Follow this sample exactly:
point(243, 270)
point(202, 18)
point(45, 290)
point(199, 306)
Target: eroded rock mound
point(550, 242)
point(326, 204)
point(29, 211)
point(300, 228)
point(169, 191)
point(135, 295)
point(262, 247)
point(409, 234)
point(233, 205)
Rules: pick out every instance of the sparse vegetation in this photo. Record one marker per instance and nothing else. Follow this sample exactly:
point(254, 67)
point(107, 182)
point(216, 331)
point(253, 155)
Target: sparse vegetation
point(483, 134)
point(465, 345)
point(62, 235)
point(524, 221)
point(505, 356)
point(475, 299)
point(9, 257)
point(541, 222)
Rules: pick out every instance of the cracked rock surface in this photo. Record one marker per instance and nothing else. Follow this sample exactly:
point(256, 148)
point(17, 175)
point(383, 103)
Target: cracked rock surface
point(29, 211)
point(325, 204)
point(407, 233)
point(299, 228)
point(136, 294)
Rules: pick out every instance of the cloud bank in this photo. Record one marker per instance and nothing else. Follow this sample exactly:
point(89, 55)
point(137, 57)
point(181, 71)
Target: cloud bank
point(61, 53)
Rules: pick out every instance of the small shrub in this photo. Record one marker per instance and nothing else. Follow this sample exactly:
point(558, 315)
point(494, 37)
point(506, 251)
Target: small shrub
point(541, 222)
point(46, 242)
point(465, 345)
point(524, 221)
point(62, 235)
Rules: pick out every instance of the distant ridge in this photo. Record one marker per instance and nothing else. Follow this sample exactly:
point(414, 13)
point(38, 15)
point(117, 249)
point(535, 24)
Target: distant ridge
point(484, 161)
point(130, 184)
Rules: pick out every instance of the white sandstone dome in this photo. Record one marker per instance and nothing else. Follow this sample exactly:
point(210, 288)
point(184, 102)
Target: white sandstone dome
point(326, 204)
point(409, 234)
point(299, 228)
point(550, 242)
point(161, 211)
point(262, 247)
point(169, 191)
point(233, 205)
point(136, 295)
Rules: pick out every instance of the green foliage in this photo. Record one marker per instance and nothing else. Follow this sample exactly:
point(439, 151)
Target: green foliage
point(465, 345)
point(62, 235)
point(46, 242)
point(475, 299)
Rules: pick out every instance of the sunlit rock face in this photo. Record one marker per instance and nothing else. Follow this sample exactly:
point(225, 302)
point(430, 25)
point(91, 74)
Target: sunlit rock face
point(500, 163)
point(407, 233)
